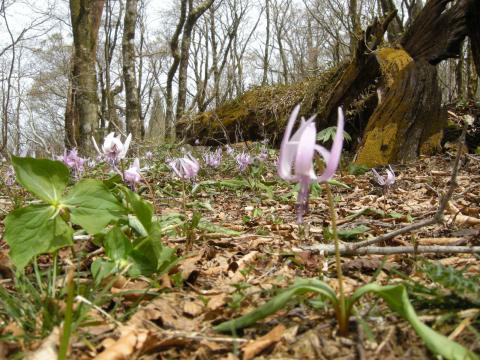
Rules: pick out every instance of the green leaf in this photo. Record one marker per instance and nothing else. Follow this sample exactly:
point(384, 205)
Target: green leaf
point(44, 178)
point(117, 245)
point(300, 287)
point(142, 209)
point(349, 234)
point(92, 206)
point(34, 230)
point(213, 228)
point(396, 297)
point(102, 268)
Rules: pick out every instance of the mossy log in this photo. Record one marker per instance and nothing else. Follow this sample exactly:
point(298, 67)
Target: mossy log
point(390, 94)
point(257, 114)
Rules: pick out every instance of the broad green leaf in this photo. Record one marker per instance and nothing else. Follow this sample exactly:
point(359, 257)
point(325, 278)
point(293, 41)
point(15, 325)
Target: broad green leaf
point(117, 245)
point(34, 230)
point(141, 264)
point(102, 268)
point(142, 209)
point(92, 206)
point(300, 287)
point(396, 297)
point(44, 178)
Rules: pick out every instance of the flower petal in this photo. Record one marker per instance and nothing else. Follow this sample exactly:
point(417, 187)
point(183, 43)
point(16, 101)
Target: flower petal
point(287, 154)
point(336, 151)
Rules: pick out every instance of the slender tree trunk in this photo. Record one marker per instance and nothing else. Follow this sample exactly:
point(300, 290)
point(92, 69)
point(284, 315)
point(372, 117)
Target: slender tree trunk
point(132, 103)
point(82, 105)
point(193, 15)
point(267, 44)
point(175, 52)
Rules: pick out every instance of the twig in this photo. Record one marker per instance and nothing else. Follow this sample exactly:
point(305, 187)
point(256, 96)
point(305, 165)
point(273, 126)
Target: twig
point(194, 335)
point(329, 249)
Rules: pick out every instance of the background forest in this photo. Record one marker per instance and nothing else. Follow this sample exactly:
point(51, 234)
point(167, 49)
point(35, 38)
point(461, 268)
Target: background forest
point(144, 65)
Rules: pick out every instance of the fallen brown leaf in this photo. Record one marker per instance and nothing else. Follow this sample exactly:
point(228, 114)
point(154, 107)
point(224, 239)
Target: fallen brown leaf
point(257, 346)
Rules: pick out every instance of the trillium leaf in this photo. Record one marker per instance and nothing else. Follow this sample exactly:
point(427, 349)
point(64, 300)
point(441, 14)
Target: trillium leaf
point(142, 209)
point(44, 178)
point(34, 230)
point(92, 206)
point(117, 245)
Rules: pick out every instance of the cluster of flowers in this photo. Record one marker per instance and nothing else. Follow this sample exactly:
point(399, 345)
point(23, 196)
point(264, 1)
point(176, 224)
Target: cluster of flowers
point(295, 163)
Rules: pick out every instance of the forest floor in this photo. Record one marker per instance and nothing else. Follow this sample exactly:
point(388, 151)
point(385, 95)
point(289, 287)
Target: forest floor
point(247, 250)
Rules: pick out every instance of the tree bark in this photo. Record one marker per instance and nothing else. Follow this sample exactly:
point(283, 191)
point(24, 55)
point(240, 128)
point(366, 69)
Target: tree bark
point(132, 102)
point(194, 14)
point(81, 116)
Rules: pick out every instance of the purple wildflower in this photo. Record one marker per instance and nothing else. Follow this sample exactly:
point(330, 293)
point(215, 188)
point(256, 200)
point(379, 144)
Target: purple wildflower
point(213, 159)
point(10, 176)
point(113, 149)
point(263, 154)
point(132, 175)
point(229, 150)
point(73, 161)
point(186, 167)
point(243, 160)
point(297, 154)
point(148, 155)
point(385, 181)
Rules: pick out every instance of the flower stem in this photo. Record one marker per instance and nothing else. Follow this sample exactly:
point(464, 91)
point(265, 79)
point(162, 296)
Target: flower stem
point(67, 323)
point(341, 311)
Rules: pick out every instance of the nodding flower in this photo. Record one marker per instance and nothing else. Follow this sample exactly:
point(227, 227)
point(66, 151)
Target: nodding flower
point(297, 151)
point(243, 160)
point(73, 161)
point(213, 159)
point(132, 175)
point(186, 167)
point(113, 149)
point(384, 181)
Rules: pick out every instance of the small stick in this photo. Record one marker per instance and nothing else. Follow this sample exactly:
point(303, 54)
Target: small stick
point(391, 250)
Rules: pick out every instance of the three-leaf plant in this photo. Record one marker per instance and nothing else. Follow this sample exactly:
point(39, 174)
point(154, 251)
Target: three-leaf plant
point(45, 227)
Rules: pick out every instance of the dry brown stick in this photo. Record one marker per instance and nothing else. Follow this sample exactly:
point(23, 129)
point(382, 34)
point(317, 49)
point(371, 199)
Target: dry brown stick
point(436, 219)
point(329, 249)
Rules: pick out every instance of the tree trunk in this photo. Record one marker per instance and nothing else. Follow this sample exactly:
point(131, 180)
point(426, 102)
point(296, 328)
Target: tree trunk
point(132, 102)
point(175, 52)
point(81, 116)
point(193, 15)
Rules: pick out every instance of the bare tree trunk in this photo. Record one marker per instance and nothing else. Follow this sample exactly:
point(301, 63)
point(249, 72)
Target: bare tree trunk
point(175, 52)
point(82, 105)
point(267, 44)
point(356, 29)
point(193, 15)
point(132, 103)
point(111, 37)
point(459, 75)
point(395, 29)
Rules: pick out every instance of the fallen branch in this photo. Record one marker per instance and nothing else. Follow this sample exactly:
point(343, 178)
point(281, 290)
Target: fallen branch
point(329, 249)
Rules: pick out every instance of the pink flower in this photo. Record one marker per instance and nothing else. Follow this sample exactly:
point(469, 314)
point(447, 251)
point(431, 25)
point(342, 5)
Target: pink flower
point(186, 167)
point(73, 161)
point(385, 181)
point(297, 154)
point(213, 159)
point(132, 175)
point(113, 149)
point(243, 160)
